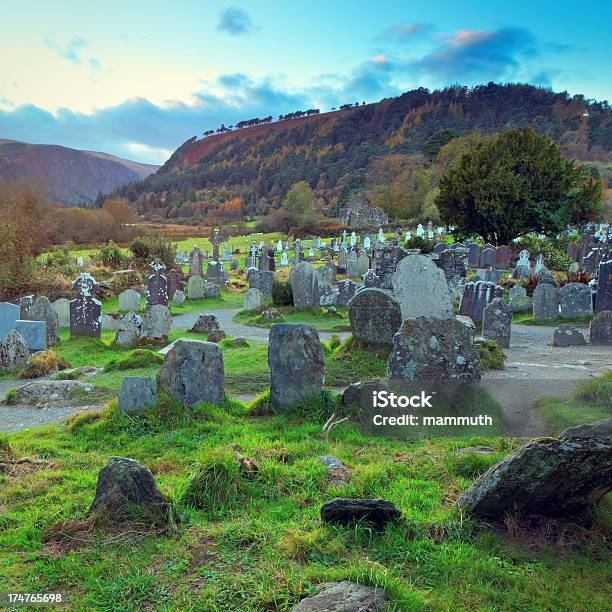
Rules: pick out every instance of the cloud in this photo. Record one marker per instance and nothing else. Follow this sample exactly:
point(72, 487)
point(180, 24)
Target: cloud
point(478, 55)
point(235, 21)
point(404, 32)
point(71, 51)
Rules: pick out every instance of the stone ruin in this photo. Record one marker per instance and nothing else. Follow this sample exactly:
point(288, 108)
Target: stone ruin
point(358, 214)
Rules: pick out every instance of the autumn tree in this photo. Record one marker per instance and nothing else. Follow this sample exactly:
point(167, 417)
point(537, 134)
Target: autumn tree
point(513, 185)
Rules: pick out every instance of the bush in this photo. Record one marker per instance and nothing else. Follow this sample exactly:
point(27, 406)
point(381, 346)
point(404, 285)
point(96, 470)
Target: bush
point(282, 293)
point(139, 358)
point(60, 260)
point(491, 356)
point(148, 248)
point(426, 246)
point(111, 256)
point(44, 363)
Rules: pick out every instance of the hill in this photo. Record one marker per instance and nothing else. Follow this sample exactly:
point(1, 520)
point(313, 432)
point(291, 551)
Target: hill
point(73, 176)
point(335, 151)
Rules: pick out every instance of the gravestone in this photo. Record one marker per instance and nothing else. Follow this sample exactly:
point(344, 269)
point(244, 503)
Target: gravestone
point(196, 262)
point(545, 302)
point(504, 255)
point(351, 263)
point(193, 372)
point(216, 273)
point(9, 314)
point(234, 264)
point(575, 300)
point(253, 299)
point(523, 267)
point(205, 323)
point(157, 285)
point(305, 285)
point(62, 308)
point(375, 317)
point(600, 329)
point(342, 262)
point(371, 279)
point(476, 296)
point(128, 331)
point(14, 351)
point(474, 251)
point(440, 246)
point(263, 281)
point(346, 290)
point(421, 288)
point(216, 240)
point(156, 324)
point(497, 322)
point(488, 258)
point(137, 393)
point(567, 335)
point(175, 282)
point(363, 264)
point(178, 298)
point(34, 333)
point(195, 288)
point(85, 310)
point(518, 299)
point(42, 310)
point(129, 301)
point(603, 297)
point(296, 362)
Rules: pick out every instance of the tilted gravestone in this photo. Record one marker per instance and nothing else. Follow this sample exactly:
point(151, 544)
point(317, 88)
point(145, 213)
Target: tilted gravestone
point(129, 301)
point(297, 364)
point(42, 310)
point(545, 302)
point(603, 297)
point(497, 322)
point(85, 310)
point(575, 300)
point(157, 285)
point(375, 317)
point(421, 288)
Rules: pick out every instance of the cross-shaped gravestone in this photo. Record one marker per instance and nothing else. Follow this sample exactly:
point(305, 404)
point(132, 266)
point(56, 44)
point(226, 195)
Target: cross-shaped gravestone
point(216, 239)
point(85, 310)
point(157, 285)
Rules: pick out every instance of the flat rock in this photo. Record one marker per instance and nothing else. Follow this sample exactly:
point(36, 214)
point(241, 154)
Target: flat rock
point(344, 511)
point(344, 596)
point(43, 391)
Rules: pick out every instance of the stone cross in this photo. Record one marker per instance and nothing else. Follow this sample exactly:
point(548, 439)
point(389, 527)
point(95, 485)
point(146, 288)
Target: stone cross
point(216, 239)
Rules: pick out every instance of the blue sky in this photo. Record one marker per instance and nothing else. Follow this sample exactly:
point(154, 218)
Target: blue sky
point(136, 79)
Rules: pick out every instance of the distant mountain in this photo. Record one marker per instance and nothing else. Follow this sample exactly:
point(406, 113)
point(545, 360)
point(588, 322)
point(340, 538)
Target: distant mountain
point(333, 151)
point(73, 176)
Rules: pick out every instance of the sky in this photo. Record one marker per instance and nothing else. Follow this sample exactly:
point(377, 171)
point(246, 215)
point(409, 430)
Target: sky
point(136, 79)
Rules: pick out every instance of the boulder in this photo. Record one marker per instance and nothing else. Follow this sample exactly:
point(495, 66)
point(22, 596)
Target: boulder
point(13, 351)
point(567, 335)
point(193, 372)
point(43, 391)
point(271, 314)
point(344, 511)
point(344, 596)
point(600, 330)
point(137, 393)
point(497, 322)
point(375, 317)
point(156, 324)
point(297, 365)
point(127, 490)
point(239, 341)
point(548, 476)
point(434, 351)
point(205, 324)
point(361, 393)
point(216, 335)
point(253, 299)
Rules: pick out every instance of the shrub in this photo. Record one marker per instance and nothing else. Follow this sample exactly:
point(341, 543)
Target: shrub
point(60, 260)
point(111, 256)
point(491, 356)
point(334, 342)
point(44, 363)
point(282, 293)
point(139, 358)
point(596, 391)
point(416, 242)
point(148, 248)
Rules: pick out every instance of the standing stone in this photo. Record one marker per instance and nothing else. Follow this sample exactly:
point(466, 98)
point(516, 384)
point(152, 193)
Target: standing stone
point(575, 300)
point(363, 264)
point(178, 299)
point(156, 324)
point(497, 322)
point(9, 314)
point(375, 317)
point(346, 290)
point(421, 288)
point(518, 299)
point(263, 281)
point(157, 286)
point(42, 310)
point(193, 372)
point(216, 240)
point(567, 335)
point(175, 282)
point(305, 285)
point(433, 350)
point(196, 262)
point(62, 308)
point(253, 299)
point(85, 310)
point(137, 393)
point(600, 330)
point(296, 361)
point(129, 301)
point(545, 302)
point(603, 297)
point(13, 351)
point(474, 251)
point(351, 263)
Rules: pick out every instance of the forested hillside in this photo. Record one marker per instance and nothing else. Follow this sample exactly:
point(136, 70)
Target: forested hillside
point(392, 148)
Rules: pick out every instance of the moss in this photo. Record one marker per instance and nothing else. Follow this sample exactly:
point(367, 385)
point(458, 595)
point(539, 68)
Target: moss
point(139, 358)
point(491, 356)
point(43, 364)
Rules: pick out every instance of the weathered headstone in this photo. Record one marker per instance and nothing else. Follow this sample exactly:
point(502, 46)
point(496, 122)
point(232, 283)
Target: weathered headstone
point(253, 299)
point(503, 257)
point(62, 308)
point(193, 372)
point(421, 288)
point(523, 266)
point(216, 273)
point(603, 297)
point(196, 262)
point(195, 288)
point(375, 317)
point(342, 262)
point(128, 331)
point(175, 282)
point(518, 299)
point(129, 301)
point(157, 285)
point(475, 298)
point(205, 323)
point(488, 257)
point(216, 240)
point(178, 298)
point(600, 329)
point(575, 300)
point(346, 290)
point(371, 279)
point(363, 264)
point(567, 335)
point(297, 365)
point(9, 314)
point(305, 285)
point(545, 302)
point(34, 333)
point(497, 322)
point(440, 246)
point(85, 310)
point(14, 351)
point(156, 324)
point(137, 393)
point(42, 310)
point(263, 281)
point(474, 251)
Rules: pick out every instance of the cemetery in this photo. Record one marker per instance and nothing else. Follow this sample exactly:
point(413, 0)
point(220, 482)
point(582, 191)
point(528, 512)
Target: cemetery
point(215, 415)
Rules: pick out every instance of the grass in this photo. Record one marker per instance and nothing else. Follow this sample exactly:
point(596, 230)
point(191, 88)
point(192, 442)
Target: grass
point(526, 318)
point(254, 542)
point(592, 401)
point(44, 363)
point(318, 317)
point(491, 356)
